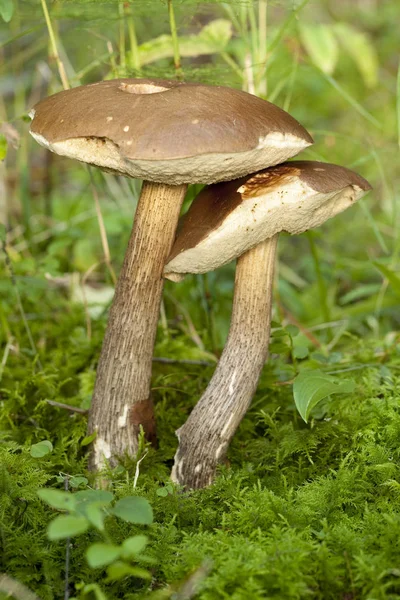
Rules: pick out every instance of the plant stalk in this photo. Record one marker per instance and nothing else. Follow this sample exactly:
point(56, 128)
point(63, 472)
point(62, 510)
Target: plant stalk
point(60, 64)
point(175, 39)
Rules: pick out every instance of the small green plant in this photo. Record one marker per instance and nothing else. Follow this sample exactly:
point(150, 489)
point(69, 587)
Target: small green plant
point(89, 509)
point(41, 449)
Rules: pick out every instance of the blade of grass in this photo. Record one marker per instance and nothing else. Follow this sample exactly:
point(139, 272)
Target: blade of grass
point(373, 225)
point(19, 304)
point(60, 64)
point(103, 234)
point(398, 104)
point(134, 50)
point(323, 293)
point(122, 40)
point(175, 39)
point(349, 98)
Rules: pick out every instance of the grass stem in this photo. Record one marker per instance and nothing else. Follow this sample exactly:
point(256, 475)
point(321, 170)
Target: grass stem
point(175, 39)
point(52, 36)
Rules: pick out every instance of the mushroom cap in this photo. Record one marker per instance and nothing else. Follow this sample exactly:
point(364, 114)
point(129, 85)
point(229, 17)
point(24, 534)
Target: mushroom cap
point(227, 219)
point(167, 131)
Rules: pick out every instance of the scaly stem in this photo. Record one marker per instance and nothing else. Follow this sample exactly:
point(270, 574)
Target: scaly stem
point(121, 400)
point(204, 438)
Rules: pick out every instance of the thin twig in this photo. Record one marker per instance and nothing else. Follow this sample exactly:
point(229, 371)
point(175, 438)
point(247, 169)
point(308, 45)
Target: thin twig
point(135, 480)
point(190, 587)
point(67, 552)
point(6, 352)
point(76, 409)
point(15, 589)
point(85, 301)
point(183, 361)
point(103, 234)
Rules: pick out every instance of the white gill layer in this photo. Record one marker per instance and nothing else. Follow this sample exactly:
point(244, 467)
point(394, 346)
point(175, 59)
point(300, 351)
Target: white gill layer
point(206, 168)
point(293, 208)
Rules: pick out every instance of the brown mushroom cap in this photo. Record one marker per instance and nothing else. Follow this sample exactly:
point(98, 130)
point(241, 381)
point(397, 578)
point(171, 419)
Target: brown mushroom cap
point(227, 219)
point(167, 131)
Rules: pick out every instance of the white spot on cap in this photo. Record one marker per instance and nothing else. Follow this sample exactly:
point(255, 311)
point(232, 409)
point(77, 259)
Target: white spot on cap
point(126, 128)
point(129, 143)
point(32, 113)
point(109, 119)
point(195, 121)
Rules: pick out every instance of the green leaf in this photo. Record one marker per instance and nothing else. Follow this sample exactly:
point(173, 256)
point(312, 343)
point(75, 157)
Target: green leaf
point(119, 569)
point(134, 545)
point(390, 275)
point(321, 46)
point(310, 387)
point(65, 527)
point(213, 38)
point(95, 515)
point(163, 492)
point(41, 449)
point(292, 330)
point(278, 348)
point(77, 480)
point(134, 509)
point(3, 146)
point(89, 439)
point(361, 49)
point(94, 496)
point(6, 10)
point(58, 499)
point(100, 555)
point(93, 588)
point(300, 352)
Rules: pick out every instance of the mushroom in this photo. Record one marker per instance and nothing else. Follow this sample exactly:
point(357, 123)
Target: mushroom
point(170, 134)
point(243, 219)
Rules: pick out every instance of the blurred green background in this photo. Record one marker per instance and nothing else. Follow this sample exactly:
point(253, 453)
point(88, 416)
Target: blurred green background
point(329, 490)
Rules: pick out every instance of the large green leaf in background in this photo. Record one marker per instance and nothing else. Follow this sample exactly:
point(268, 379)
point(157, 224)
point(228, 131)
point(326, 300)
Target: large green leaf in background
point(6, 10)
point(361, 49)
point(212, 38)
point(321, 45)
point(310, 387)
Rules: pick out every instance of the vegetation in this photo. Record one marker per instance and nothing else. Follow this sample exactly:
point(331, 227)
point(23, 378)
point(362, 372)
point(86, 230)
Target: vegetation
point(300, 509)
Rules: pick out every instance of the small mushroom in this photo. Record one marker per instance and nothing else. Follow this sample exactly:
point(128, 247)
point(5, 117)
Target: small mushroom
point(243, 219)
point(170, 134)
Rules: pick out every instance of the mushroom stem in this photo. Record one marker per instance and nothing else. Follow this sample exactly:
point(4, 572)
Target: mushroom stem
point(121, 399)
point(204, 438)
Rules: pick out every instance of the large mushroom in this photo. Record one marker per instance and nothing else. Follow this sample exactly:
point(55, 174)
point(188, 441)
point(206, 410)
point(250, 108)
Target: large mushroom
point(170, 134)
point(243, 219)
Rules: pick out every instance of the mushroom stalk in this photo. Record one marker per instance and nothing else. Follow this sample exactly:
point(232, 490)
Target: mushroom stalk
point(204, 438)
point(121, 400)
